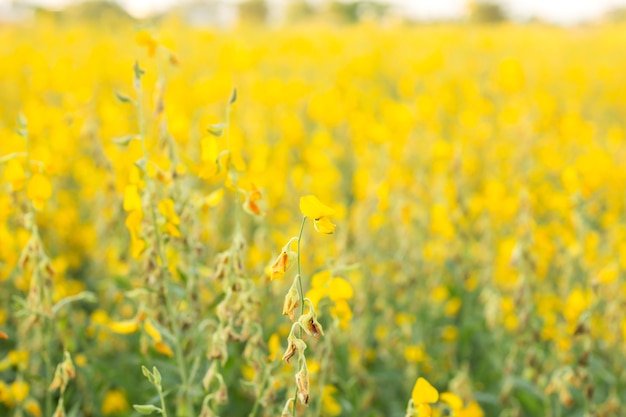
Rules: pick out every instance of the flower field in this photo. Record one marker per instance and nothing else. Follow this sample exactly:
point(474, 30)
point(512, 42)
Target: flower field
point(316, 221)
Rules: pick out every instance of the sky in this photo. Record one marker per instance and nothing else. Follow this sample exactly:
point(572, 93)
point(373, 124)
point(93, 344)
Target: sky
point(556, 11)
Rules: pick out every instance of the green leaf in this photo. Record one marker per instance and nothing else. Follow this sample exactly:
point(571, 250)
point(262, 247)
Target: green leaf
point(141, 163)
point(21, 120)
point(138, 71)
point(233, 97)
point(125, 140)
point(123, 98)
point(216, 129)
point(147, 409)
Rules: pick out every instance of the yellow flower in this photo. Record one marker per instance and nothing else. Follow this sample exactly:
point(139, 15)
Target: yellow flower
point(19, 390)
point(5, 394)
point(340, 289)
point(143, 38)
point(423, 395)
point(281, 264)
point(124, 327)
point(152, 331)
point(15, 174)
point(311, 207)
point(454, 401)
point(39, 190)
point(132, 199)
point(330, 406)
point(163, 348)
point(32, 407)
point(114, 402)
point(167, 210)
point(250, 205)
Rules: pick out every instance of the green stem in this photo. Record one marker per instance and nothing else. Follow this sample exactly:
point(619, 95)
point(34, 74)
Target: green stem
point(178, 351)
point(46, 334)
point(257, 401)
point(301, 293)
point(299, 273)
point(163, 409)
point(233, 172)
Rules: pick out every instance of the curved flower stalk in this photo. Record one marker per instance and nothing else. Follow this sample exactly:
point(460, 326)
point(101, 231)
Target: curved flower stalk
point(306, 322)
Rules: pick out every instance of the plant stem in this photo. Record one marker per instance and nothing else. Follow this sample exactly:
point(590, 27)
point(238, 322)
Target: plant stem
point(301, 293)
point(163, 409)
point(178, 351)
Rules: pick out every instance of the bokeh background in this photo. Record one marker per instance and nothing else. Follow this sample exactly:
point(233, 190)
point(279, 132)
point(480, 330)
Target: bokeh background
point(473, 154)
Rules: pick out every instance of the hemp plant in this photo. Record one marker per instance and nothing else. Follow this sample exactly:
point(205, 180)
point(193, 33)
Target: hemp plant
point(306, 322)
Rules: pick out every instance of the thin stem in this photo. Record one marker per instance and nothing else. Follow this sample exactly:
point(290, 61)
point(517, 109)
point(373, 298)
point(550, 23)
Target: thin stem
point(163, 408)
point(36, 278)
point(233, 171)
point(299, 270)
point(301, 294)
point(257, 401)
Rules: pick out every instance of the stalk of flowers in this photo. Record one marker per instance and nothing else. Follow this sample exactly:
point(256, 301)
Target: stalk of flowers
point(236, 318)
point(157, 272)
point(306, 322)
point(35, 329)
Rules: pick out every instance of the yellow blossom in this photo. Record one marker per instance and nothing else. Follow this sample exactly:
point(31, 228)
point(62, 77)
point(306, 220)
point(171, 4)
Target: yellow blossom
point(143, 38)
point(114, 402)
point(424, 392)
point(39, 190)
point(311, 207)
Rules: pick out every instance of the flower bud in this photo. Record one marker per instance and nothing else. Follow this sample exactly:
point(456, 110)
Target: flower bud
point(292, 302)
point(294, 346)
point(302, 381)
point(311, 326)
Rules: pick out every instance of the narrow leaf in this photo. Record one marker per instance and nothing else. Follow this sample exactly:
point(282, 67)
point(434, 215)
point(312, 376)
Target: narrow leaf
point(216, 129)
point(123, 98)
point(125, 140)
point(146, 409)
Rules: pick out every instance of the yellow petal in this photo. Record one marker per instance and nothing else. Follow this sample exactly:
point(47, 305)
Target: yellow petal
point(132, 199)
point(152, 331)
point(32, 407)
point(20, 390)
point(454, 401)
point(424, 410)
point(39, 188)
point(143, 38)
point(423, 392)
point(137, 246)
point(15, 174)
point(209, 149)
point(163, 348)
point(340, 289)
point(133, 221)
point(213, 199)
point(114, 402)
point(311, 207)
point(167, 210)
point(124, 327)
point(324, 225)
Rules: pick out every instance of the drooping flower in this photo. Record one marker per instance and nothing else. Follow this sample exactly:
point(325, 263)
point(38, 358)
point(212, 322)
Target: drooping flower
point(423, 395)
point(311, 207)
